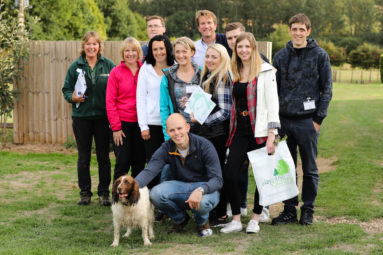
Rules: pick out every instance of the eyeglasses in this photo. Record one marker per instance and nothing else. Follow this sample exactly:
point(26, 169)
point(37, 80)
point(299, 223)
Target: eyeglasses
point(154, 26)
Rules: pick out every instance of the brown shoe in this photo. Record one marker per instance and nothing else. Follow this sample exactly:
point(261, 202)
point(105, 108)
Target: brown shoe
point(104, 200)
point(178, 228)
point(85, 200)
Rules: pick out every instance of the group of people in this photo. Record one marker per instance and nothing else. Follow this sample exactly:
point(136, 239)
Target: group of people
point(202, 167)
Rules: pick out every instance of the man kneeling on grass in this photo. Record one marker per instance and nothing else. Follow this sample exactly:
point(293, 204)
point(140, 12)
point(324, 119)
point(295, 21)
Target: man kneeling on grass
point(195, 176)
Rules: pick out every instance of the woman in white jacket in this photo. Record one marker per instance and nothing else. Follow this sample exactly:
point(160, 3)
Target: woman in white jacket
point(160, 56)
point(253, 122)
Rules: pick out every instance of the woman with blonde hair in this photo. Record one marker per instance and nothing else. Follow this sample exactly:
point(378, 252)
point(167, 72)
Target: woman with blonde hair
point(89, 116)
point(179, 82)
point(122, 112)
point(253, 122)
point(216, 80)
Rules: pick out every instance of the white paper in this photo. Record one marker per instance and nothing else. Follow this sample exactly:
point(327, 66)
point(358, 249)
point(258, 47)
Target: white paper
point(80, 85)
point(200, 105)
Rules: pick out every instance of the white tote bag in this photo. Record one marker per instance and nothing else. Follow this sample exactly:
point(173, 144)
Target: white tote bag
point(274, 174)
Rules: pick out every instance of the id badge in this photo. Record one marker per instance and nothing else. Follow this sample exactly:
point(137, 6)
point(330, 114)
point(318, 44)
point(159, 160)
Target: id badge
point(309, 104)
point(190, 89)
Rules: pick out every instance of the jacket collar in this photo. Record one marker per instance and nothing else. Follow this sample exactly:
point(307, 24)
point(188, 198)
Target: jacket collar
point(192, 144)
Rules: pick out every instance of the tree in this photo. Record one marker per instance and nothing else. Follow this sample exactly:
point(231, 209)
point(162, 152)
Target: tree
point(14, 51)
point(121, 21)
point(279, 37)
point(66, 19)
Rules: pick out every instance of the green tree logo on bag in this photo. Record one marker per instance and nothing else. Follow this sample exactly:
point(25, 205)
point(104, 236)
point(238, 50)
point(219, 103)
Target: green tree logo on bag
point(282, 168)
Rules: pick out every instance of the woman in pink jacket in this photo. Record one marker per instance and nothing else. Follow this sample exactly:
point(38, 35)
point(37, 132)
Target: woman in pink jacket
point(122, 113)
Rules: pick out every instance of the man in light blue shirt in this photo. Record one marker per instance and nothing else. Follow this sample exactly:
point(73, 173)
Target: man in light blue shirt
point(207, 24)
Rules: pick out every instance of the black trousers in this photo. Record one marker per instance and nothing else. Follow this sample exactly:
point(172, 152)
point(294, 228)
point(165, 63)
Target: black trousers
point(85, 130)
point(151, 145)
point(302, 134)
point(241, 144)
point(131, 154)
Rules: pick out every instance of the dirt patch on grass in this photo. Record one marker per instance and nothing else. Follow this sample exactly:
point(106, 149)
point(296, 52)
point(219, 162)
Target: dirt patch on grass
point(37, 148)
point(372, 227)
point(31, 181)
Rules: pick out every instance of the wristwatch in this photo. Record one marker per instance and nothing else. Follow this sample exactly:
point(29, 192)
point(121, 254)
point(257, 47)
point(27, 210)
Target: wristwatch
point(201, 189)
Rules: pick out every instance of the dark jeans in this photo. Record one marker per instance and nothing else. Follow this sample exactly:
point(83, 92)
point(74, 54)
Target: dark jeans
point(84, 131)
point(241, 144)
point(131, 154)
point(151, 145)
point(302, 134)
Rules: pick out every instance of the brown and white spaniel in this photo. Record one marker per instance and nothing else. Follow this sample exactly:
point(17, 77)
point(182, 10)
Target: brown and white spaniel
point(131, 208)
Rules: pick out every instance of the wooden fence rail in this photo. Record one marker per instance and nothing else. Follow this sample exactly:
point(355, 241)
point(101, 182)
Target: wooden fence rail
point(41, 115)
point(356, 76)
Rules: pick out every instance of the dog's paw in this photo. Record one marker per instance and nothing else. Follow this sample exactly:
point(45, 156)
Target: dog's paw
point(127, 234)
point(114, 244)
point(147, 243)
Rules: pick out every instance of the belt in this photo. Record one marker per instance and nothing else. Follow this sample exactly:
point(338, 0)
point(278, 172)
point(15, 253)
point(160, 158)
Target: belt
point(243, 113)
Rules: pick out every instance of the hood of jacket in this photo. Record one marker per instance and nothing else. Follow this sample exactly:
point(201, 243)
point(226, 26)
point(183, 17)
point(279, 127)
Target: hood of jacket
point(173, 73)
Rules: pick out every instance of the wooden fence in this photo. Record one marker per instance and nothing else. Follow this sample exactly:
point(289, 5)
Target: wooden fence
point(41, 115)
point(356, 76)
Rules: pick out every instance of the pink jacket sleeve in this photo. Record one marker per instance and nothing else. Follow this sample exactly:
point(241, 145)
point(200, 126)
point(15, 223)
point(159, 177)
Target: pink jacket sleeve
point(111, 101)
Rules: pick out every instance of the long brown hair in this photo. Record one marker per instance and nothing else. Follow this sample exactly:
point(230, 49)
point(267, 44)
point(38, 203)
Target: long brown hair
point(220, 73)
point(255, 58)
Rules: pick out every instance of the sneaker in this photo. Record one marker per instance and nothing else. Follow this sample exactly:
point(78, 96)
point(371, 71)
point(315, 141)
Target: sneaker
point(205, 230)
point(243, 211)
point(104, 200)
point(265, 215)
point(306, 217)
point(284, 218)
point(178, 228)
point(84, 200)
point(233, 226)
point(219, 222)
point(252, 227)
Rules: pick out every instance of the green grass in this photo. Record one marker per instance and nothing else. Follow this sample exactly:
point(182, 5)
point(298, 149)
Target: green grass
point(39, 215)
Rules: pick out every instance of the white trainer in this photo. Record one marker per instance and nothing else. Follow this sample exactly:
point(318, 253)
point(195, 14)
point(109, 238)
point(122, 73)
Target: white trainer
point(265, 215)
point(252, 227)
point(233, 226)
point(243, 211)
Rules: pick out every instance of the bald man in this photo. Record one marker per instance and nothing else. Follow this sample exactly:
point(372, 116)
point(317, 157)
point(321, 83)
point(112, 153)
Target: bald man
point(197, 176)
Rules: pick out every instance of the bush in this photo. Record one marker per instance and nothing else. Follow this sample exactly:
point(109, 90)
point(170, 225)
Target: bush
point(381, 68)
point(279, 37)
point(349, 43)
point(14, 52)
point(337, 54)
point(365, 56)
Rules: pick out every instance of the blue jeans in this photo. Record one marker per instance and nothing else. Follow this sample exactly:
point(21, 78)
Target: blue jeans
point(170, 197)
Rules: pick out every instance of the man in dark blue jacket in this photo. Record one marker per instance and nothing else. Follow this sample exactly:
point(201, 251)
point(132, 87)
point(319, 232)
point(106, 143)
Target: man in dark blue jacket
point(305, 89)
point(196, 176)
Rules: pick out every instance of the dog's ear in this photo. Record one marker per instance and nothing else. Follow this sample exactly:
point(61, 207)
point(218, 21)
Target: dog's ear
point(134, 195)
point(114, 190)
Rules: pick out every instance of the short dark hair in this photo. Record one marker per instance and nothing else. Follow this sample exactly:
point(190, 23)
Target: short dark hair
point(233, 26)
point(169, 50)
point(156, 17)
point(300, 18)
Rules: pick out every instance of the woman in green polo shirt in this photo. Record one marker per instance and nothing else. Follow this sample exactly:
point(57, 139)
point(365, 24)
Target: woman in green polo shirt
point(89, 115)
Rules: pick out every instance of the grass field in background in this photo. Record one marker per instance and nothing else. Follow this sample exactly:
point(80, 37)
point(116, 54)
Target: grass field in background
point(39, 215)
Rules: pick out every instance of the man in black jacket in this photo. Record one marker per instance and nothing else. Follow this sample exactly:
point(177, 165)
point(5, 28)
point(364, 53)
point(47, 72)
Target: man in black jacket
point(305, 89)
